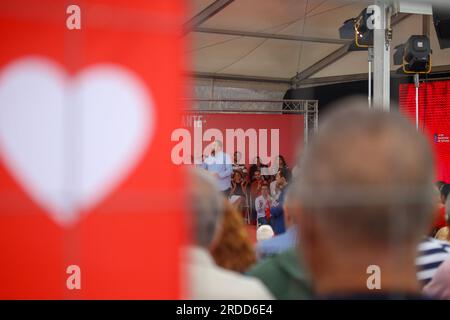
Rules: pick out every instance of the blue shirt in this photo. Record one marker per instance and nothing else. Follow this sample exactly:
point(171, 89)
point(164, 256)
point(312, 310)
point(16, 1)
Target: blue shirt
point(277, 244)
point(222, 165)
point(277, 215)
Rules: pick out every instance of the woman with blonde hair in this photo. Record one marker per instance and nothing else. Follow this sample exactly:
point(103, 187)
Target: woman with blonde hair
point(233, 249)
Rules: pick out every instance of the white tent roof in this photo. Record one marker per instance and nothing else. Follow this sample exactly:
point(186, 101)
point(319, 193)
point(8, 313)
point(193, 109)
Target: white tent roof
point(236, 55)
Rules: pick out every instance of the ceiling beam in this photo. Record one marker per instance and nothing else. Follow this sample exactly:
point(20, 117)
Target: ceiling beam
point(205, 14)
point(235, 77)
point(336, 55)
point(269, 35)
point(321, 64)
point(307, 82)
point(445, 69)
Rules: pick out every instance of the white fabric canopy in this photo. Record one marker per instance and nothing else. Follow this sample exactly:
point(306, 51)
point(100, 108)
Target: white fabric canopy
point(219, 54)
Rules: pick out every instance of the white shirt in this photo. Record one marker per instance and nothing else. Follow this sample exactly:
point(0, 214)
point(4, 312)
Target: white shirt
point(260, 206)
point(274, 191)
point(222, 165)
point(207, 281)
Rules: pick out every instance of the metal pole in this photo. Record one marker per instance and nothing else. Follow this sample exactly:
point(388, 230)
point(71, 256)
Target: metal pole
point(417, 84)
point(316, 117)
point(306, 132)
point(382, 49)
point(370, 51)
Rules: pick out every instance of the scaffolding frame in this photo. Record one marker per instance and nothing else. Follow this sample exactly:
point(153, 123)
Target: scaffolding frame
point(308, 108)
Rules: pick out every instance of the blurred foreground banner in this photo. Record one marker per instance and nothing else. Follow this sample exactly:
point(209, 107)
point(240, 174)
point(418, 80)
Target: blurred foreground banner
point(91, 205)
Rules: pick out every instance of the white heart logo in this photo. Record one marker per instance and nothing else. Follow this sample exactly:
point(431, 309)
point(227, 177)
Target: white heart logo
point(70, 141)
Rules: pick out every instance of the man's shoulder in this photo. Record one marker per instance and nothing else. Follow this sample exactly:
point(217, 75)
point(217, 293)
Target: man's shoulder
point(284, 275)
point(282, 242)
point(274, 264)
point(222, 283)
point(432, 244)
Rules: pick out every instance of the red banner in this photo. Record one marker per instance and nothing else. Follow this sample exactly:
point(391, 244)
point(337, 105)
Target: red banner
point(434, 115)
point(263, 135)
point(89, 197)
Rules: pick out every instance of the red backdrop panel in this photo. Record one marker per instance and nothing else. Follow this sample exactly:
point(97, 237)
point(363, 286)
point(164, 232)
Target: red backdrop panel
point(290, 129)
point(434, 118)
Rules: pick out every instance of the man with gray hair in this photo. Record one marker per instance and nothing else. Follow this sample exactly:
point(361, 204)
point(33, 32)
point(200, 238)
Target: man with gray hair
point(206, 279)
point(365, 191)
point(220, 166)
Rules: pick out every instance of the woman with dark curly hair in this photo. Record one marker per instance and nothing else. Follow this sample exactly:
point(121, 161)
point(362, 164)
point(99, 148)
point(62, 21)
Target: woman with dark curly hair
point(234, 249)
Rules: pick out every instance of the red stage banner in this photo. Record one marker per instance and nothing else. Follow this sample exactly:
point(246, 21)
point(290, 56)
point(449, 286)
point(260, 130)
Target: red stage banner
point(434, 115)
point(263, 135)
point(90, 92)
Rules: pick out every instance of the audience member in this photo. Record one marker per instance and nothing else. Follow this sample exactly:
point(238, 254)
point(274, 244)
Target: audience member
point(440, 222)
point(439, 184)
point(206, 279)
point(277, 210)
point(277, 186)
point(233, 249)
point(432, 253)
point(256, 166)
point(284, 275)
point(285, 241)
point(366, 179)
point(444, 233)
point(264, 232)
point(262, 206)
point(255, 187)
point(439, 286)
point(238, 192)
point(281, 164)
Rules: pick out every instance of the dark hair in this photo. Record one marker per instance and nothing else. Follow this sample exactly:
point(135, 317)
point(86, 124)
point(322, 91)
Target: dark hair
point(285, 173)
point(445, 190)
point(439, 184)
point(282, 159)
point(239, 172)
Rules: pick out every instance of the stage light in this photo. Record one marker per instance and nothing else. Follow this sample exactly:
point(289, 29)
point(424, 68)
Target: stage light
point(357, 29)
point(364, 34)
point(414, 55)
point(347, 30)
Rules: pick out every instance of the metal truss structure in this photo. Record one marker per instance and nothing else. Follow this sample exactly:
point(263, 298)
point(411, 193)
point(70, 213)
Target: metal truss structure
point(308, 108)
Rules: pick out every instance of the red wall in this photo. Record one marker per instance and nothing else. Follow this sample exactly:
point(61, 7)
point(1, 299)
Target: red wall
point(434, 118)
point(290, 130)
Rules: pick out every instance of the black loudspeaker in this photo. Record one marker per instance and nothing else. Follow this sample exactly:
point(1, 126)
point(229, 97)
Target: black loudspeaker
point(441, 19)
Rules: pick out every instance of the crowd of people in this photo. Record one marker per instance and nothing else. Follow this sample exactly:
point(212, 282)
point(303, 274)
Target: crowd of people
point(361, 217)
point(257, 191)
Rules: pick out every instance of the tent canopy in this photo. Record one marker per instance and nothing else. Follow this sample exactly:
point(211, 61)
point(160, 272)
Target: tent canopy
point(277, 39)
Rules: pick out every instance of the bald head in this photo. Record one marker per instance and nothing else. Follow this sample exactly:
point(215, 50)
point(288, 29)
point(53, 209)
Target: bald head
point(365, 172)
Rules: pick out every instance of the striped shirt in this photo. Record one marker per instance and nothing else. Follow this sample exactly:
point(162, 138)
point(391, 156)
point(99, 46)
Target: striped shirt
point(432, 253)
